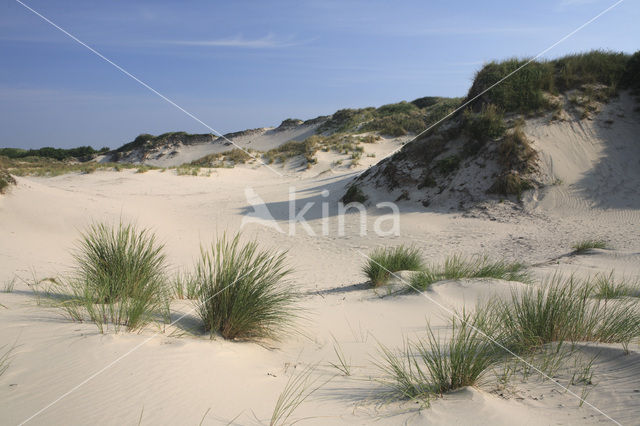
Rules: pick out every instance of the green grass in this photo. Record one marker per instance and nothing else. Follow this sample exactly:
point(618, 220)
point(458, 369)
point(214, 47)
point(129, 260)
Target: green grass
point(383, 261)
point(119, 277)
point(54, 153)
point(608, 287)
point(184, 286)
point(561, 310)
point(48, 167)
point(525, 90)
point(588, 244)
point(242, 293)
point(459, 267)
point(434, 366)
point(484, 125)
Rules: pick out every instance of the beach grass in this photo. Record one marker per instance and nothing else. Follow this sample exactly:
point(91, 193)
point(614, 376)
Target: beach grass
point(119, 277)
point(562, 310)
point(457, 267)
point(241, 290)
point(584, 246)
point(433, 365)
point(384, 261)
point(606, 286)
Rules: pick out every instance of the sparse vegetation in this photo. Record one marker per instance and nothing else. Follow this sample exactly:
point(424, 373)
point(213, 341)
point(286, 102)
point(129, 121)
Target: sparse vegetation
point(517, 158)
point(185, 286)
point(608, 287)
point(6, 353)
point(241, 293)
point(485, 125)
point(47, 167)
point(384, 261)
point(82, 152)
point(585, 245)
point(299, 387)
point(119, 277)
point(562, 309)
point(354, 195)
point(5, 179)
point(459, 267)
point(433, 366)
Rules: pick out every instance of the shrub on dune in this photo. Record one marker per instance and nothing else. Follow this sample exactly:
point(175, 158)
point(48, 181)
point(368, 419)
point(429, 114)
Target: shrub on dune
point(241, 293)
point(384, 261)
point(119, 277)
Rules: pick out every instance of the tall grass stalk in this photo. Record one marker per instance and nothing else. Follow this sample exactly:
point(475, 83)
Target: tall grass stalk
point(241, 290)
point(299, 387)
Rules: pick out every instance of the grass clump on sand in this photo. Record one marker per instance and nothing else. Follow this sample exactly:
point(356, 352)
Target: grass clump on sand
point(458, 267)
point(241, 293)
point(607, 287)
point(586, 245)
point(433, 366)
point(531, 327)
point(562, 310)
point(119, 277)
point(384, 261)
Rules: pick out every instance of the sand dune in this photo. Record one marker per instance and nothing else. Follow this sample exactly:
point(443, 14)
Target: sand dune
point(173, 379)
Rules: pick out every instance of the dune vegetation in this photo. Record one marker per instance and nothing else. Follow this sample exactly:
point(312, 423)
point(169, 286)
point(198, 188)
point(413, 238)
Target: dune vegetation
point(119, 278)
point(382, 262)
point(584, 246)
point(241, 290)
point(536, 329)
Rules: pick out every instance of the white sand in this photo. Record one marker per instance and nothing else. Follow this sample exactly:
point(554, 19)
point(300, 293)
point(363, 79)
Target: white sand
point(175, 380)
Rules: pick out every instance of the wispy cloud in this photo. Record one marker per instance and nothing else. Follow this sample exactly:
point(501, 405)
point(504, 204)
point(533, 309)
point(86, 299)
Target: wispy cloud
point(267, 42)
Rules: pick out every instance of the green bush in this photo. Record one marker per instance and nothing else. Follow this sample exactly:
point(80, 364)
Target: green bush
point(241, 293)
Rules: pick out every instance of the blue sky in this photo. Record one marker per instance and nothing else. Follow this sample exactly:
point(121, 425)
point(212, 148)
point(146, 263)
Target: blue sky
point(245, 64)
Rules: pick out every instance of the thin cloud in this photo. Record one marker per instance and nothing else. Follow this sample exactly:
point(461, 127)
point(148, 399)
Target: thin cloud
point(267, 42)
